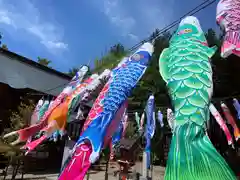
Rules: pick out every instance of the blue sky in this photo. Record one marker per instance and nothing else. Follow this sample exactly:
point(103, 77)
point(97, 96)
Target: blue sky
point(71, 34)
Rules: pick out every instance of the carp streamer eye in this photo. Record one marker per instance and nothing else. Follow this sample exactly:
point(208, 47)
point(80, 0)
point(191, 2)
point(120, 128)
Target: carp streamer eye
point(136, 57)
point(187, 30)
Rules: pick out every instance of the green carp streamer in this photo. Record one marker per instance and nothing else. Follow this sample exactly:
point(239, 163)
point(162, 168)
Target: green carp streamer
point(186, 69)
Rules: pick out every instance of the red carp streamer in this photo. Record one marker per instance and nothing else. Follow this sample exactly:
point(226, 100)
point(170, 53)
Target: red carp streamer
point(231, 120)
point(221, 123)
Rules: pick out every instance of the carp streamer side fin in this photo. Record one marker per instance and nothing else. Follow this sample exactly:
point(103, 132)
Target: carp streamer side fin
point(163, 61)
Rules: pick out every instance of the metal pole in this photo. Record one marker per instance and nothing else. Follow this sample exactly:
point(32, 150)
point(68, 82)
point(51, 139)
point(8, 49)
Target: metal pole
point(88, 175)
point(151, 166)
point(144, 167)
point(106, 170)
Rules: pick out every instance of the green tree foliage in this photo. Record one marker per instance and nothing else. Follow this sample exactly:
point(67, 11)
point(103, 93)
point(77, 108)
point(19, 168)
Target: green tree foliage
point(110, 60)
point(18, 119)
point(43, 61)
point(4, 46)
point(21, 117)
point(152, 81)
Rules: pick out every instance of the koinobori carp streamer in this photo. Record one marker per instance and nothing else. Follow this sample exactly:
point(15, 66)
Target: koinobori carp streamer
point(170, 118)
point(237, 107)
point(81, 96)
point(58, 118)
point(35, 114)
point(142, 121)
point(221, 123)
point(231, 120)
point(150, 128)
point(25, 134)
point(160, 118)
point(118, 134)
point(186, 69)
point(228, 18)
point(105, 115)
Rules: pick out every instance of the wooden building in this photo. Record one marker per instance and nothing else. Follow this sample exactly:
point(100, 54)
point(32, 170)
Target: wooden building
point(22, 78)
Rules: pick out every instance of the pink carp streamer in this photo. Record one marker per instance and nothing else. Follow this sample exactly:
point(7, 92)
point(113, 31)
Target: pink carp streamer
point(231, 120)
point(35, 114)
point(228, 18)
point(81, 161)
point(221, 123)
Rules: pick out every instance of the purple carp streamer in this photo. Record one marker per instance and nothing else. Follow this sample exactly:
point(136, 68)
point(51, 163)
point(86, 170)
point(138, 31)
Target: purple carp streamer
point(160, 118)
point(118, 134)
point(237, 107)
point(231, 120)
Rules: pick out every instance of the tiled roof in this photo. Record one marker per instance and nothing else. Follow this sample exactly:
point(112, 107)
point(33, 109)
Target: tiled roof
point(33, 63)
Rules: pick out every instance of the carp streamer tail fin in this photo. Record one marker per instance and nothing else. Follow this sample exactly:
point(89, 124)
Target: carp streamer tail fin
point(77, 167)
point(26, 133)
point(193, 156)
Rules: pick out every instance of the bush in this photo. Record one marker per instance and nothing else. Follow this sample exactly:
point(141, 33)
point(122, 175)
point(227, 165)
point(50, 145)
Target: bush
point(20, 118)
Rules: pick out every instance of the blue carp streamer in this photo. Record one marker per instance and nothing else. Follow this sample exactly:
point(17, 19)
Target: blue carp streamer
point(150, 128)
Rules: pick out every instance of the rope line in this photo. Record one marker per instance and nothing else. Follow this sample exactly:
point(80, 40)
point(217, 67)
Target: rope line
point(193, 11)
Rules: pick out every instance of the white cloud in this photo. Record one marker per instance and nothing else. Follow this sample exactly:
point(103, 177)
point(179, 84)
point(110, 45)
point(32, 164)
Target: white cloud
point(137, 17)
point(25, 16)
point(133, 36)
point(117, 15)
point(5, 19)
